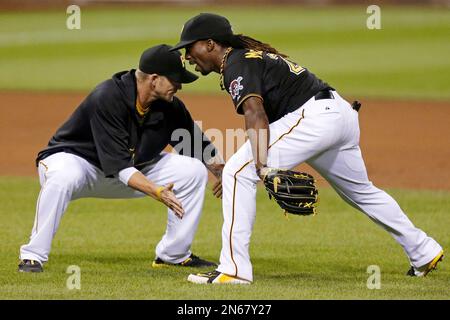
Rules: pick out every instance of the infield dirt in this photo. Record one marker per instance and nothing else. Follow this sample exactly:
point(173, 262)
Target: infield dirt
point(405, 144)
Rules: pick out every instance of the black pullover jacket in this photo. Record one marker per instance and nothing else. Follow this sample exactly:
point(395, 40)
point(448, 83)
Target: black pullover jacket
point(107, 131)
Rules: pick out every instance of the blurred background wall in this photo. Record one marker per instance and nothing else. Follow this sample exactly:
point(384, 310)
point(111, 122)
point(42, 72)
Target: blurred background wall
point(36, 4)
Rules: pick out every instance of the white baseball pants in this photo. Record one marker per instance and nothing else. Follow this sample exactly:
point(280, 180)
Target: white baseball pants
point(65, 177)
point(325, 134)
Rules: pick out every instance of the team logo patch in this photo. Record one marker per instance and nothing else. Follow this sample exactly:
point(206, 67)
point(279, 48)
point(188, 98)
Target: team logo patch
point(236, 87)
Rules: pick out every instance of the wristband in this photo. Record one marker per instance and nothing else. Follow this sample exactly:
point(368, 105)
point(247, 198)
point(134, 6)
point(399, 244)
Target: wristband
point(158, 192)
point(258, 170)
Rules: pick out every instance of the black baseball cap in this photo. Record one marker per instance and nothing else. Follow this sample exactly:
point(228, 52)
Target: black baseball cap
point(161, 60)
point(204, 26)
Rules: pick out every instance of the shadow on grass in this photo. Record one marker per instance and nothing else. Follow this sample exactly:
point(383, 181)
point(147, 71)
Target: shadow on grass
point(107, 259)
point(318, 266)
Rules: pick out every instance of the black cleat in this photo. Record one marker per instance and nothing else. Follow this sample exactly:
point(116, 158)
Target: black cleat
point(193, 261)
point(411, 272)
point(30, 266)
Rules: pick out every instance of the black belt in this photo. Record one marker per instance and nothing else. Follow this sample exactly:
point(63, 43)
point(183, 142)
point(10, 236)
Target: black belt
point(324, 94)
point(327, 94)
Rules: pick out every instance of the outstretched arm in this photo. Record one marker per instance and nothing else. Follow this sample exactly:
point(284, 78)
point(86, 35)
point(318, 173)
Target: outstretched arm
point(257, 126)
point(215, 166)
point(164, 194)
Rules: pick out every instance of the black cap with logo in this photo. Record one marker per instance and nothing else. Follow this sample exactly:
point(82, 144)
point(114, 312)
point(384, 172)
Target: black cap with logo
point(204, 26)
point(165, 62)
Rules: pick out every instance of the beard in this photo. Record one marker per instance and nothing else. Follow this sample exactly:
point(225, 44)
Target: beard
point(201, 70)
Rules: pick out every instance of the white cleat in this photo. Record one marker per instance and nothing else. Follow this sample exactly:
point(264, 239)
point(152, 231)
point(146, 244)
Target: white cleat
point(215, 277)
point(424, 270)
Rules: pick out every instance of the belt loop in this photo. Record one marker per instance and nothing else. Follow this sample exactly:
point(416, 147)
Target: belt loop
point(324, 94)
point(356, 105)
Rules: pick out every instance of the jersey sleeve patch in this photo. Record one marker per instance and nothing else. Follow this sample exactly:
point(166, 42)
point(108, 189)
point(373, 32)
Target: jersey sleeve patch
point(235, 88)
point(243, 77)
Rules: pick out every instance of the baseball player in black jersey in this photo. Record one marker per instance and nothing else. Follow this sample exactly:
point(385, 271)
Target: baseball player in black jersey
point(111, 147)
point(291, 117)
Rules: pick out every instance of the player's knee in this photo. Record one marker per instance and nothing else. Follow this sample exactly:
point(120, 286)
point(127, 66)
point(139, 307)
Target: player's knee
point(231, 168)
point(192, 170)
point(227, 170)
point(199, 171)
point(68, 180)
point(239, 170)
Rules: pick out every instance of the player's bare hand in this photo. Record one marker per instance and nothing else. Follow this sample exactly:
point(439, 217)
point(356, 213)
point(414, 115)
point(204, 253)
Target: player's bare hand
point(216, 169)
point(167, 197)
point(262, 172)
point(217, 188)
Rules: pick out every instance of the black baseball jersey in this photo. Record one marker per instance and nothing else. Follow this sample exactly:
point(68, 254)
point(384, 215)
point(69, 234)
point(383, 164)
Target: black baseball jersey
point(107, 131)
point(283, 85)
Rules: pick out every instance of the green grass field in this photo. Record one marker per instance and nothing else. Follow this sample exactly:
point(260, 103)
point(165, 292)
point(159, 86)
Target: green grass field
point(407, 59)
point(321, 257)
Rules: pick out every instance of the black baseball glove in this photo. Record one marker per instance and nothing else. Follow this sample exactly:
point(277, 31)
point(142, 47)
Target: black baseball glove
point(295, 192)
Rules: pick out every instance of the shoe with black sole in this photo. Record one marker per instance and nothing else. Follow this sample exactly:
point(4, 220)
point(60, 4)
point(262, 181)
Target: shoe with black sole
point(30, 266)
point(192, 261)
point(424, 270)
point(215, 277)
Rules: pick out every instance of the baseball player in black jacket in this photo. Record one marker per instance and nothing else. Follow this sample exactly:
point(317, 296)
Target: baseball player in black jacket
point(111, 147)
